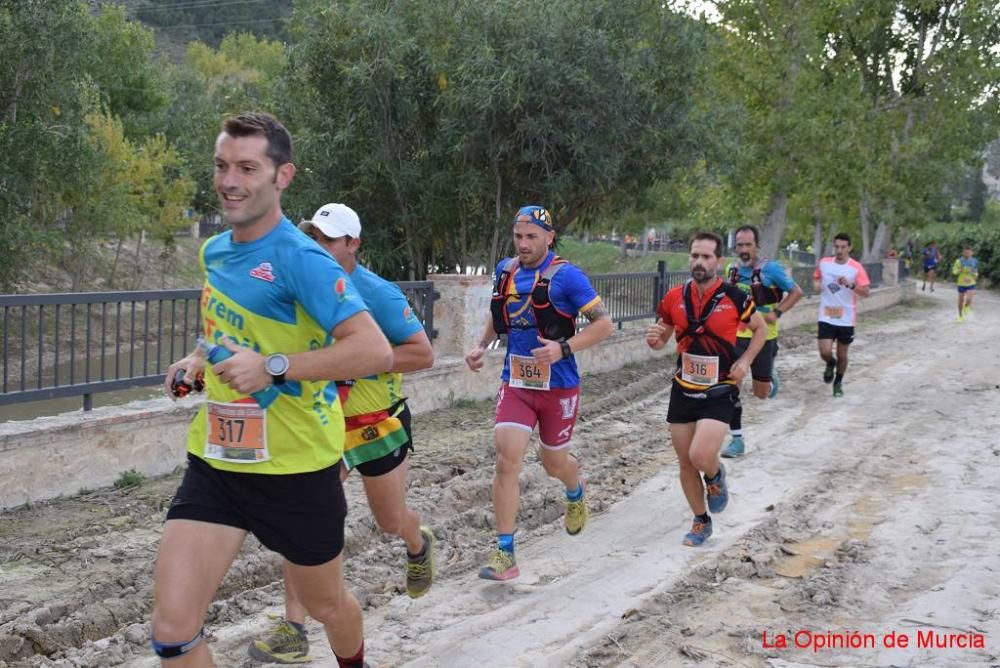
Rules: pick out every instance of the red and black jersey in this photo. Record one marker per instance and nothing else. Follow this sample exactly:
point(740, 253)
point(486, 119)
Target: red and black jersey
point(706, 324)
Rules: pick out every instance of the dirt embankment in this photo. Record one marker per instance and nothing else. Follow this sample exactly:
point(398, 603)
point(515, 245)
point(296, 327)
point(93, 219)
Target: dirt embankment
point(871, 512)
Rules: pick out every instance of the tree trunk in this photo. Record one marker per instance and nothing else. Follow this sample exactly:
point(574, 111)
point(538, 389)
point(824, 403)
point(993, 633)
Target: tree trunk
point(866, 224)
point(114, 265)
point(138, 261)
point(880, 246)
point(817, 234)
point(774, 224)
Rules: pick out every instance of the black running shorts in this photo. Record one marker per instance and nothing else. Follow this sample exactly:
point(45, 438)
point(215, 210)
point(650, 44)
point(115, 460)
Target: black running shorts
point(843, 334)
point(763, 365)
point(298, 515)
point(717, 403)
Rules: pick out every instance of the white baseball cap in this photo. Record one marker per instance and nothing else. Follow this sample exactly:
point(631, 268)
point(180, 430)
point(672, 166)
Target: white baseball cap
point(335, 220)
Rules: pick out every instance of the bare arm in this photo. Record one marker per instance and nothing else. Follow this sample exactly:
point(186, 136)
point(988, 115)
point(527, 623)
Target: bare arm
point(658, 334)
point(413, 354)
point(600, 328)
point(862, 290)
point(474, 358)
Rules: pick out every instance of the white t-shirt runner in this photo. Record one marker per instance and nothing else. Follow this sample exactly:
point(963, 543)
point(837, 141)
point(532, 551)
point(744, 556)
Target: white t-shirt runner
point(837, 303)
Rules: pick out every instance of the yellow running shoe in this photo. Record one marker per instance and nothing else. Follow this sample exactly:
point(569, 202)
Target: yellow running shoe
point(283, 644)
point(420, 569)
point(577, 513)
point(502, 566)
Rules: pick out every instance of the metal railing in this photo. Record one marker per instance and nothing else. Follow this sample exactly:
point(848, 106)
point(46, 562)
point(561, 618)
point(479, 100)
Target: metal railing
point(630, 297)
point(79, 344)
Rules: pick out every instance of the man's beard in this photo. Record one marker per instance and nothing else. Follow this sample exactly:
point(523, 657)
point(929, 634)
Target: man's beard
point(701, 275)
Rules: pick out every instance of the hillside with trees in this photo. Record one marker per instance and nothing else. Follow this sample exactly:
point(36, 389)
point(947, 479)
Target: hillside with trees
point(435, 120)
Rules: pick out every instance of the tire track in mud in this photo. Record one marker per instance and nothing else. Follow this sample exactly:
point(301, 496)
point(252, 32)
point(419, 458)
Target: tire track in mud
point(884, 529)
point(75, 573)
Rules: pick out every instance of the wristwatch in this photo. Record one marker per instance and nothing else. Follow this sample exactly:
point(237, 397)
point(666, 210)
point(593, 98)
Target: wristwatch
point(277, 365)
point(777, 312)
point(566, 350)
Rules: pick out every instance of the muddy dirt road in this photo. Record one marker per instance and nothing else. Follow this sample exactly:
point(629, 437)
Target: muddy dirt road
point(875, 513)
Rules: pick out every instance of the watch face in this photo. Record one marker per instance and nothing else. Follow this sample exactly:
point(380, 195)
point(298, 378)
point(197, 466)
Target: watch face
point(277, 364)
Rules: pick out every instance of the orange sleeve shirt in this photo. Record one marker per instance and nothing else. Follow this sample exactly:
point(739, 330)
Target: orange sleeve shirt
point(718, 335)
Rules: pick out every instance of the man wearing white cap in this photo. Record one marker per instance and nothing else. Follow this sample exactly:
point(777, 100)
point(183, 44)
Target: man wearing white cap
point(377, 422)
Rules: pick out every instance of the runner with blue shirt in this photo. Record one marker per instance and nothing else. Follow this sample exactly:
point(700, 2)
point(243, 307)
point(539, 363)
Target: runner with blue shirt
point(536, 299)
point(377, 423)
point(277, 302)
point(774, 294)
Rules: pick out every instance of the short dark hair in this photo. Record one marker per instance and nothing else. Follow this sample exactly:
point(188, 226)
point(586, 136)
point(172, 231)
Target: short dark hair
point(843, 236)
point(749, 228)
point(279, 141)
point(708, 236)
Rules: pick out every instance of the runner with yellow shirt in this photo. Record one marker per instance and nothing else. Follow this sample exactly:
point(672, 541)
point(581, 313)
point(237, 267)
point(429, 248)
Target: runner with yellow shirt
point(774, 294)
point(275, 301)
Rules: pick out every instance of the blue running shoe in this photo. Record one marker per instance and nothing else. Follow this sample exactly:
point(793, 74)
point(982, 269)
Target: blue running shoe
point(699, 533)
point(718, 492)
point(735, 448)
point(774, 386)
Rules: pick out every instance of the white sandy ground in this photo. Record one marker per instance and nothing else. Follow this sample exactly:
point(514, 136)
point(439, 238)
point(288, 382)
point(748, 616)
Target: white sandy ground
point(875, 513)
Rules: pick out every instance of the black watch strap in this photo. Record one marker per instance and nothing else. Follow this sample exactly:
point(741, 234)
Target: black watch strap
point(777, 312)
point(566, 350)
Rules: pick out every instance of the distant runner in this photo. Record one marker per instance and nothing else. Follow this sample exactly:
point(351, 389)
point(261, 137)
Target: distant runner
point(966, 272)
point(839, 280)
point(774, 294)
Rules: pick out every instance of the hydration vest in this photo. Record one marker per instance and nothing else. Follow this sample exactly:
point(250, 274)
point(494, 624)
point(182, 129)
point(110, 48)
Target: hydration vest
point(552, 323)
point(696, 326)
point(762, 295)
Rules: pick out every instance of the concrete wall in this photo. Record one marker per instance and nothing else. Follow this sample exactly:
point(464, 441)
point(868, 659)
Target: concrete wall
point(48, 457)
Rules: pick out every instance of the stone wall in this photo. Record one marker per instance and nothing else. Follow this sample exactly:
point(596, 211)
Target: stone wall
point(48, 457)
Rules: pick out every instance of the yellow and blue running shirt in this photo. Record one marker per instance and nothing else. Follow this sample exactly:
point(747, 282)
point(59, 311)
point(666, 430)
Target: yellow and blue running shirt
point(570, 292)
point(371, 439)
point(772, 274)
point(966, 270)
point(281, 293)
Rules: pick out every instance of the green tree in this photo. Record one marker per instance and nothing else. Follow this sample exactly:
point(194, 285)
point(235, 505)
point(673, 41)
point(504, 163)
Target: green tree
point(435, 120)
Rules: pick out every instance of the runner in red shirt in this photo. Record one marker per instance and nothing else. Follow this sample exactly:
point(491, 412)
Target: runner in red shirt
point(706, 313)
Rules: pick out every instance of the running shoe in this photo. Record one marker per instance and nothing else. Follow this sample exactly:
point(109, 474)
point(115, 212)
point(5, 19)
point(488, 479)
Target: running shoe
point(735, 448)
point(699, 533)
point(420, 569)
point(965, 309)
point(828, 373)
point(576, 513)
point(838, 390)
point(774, 386)
point(502, 566)
point(960, 318)
point(717, 490)
point(283, 644)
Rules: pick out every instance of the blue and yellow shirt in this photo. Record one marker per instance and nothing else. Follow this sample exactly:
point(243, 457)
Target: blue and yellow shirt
point(966, 270)
point(772, 274)
point(570, 292)
point(397, 321)
point(280, 293)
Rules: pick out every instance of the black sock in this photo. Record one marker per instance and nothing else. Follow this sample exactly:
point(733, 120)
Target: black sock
point(703, 518)
point(301, 628)
point(736, 422)
point(838, 379)
point(831, 363)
